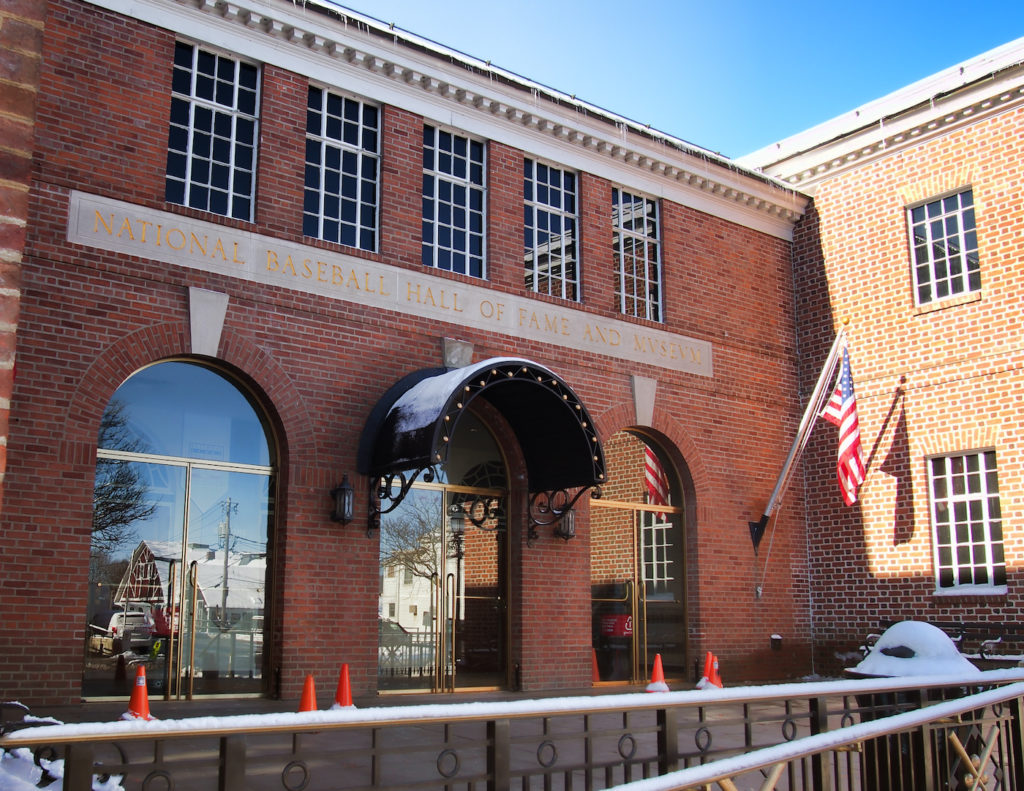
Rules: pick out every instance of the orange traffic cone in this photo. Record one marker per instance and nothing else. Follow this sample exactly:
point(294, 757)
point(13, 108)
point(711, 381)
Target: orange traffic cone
point(138, 704)
point(343, 696)
point(657, 677)
point(711, 677)
point(716, 678)
point(308, 702)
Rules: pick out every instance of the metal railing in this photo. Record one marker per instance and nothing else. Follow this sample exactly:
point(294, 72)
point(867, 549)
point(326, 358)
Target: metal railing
point(915, 733)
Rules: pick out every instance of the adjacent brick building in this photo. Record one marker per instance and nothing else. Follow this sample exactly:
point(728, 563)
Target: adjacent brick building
point(914, 239)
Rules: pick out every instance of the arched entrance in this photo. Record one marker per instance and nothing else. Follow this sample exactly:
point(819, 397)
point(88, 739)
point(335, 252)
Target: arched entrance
point(638, 564)
point(443, 612)
point(182, 518)
point(440, 489)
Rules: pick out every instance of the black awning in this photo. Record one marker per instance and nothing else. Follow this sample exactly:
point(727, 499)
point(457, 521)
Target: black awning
point(410, 426)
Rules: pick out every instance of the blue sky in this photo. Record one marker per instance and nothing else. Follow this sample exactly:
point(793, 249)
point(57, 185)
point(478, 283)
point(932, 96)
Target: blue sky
point(730, 76)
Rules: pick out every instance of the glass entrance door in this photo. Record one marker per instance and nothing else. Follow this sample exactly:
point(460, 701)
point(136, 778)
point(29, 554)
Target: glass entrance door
point(442, 611)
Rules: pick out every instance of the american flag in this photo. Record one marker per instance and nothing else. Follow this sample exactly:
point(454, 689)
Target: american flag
point(842, 411)
point(657, 481)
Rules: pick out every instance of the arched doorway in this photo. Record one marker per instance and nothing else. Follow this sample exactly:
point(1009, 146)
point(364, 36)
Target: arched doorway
point(638, 564)
point(443, 609)
point(182, 522)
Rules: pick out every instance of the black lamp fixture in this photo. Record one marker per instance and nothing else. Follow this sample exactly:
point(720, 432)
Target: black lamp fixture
point(456, 530)
point(344, 497)
point(565, 527)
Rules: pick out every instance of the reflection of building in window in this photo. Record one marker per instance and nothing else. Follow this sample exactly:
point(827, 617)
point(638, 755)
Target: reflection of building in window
point(453, 202)
point(340, 202)
point(549, 231)
point(967, 520)
point(945, 248)
point(637, 249)
point(211, 152)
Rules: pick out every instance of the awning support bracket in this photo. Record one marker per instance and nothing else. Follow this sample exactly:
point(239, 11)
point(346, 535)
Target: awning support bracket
point(551, 507)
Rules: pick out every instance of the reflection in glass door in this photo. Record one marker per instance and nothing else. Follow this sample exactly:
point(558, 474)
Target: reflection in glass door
point(442, 609)
point(637, 562)
point(442, 613)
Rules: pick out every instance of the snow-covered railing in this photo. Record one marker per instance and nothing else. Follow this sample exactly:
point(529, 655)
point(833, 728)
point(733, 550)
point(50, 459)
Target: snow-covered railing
point(592, 742)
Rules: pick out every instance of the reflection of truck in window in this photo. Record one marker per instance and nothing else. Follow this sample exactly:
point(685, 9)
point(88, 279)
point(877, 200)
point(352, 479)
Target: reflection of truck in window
point(123, 628)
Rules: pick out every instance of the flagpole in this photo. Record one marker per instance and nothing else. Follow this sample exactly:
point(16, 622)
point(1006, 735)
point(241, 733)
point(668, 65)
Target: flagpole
point(814, 405)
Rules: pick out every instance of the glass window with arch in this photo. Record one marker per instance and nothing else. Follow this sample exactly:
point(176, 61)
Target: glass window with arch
point(181, 531)
point(638, 563)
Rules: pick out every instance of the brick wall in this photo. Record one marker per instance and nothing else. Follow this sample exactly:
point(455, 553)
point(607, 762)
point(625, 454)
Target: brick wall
point(317, 366)
point(21, 39)
point(929, 380)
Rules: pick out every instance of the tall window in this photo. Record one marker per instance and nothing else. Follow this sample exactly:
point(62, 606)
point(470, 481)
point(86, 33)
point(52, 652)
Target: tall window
point(637, 248)
point(967, 521)
point(453, 202)
point(549, 230)
point(182, 514)
point(945, 248)
point(342, 142)
point(211, 148)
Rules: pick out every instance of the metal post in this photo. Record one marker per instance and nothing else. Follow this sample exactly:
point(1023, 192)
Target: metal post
point(821, 778)
point(78, 759)
point(668, 741)
point(232, 764)
point(498, 756)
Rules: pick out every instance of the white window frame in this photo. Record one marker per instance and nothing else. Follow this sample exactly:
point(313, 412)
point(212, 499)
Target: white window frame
point(191, 183)
point(639, 274)
point(551, 259)
point(943, 238)
point(317, 222)
point(966, 518)
point(435, 252)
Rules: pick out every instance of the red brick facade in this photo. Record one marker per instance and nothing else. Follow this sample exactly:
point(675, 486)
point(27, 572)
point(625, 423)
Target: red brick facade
point(90, 318)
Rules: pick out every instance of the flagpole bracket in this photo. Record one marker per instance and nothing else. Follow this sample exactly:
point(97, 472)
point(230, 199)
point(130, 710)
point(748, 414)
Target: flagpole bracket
point(757, 531)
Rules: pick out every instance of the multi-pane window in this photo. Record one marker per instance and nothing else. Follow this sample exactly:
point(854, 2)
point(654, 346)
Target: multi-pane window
point(453, 202)
point(637, 249)
point(966, 520)
point(659, 554)
point(211, 148)
point(549, 230)
point(342, 150)
point(945, 248)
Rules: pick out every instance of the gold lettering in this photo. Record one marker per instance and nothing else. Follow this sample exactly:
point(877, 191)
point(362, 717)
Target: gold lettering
point(181, 234)
point(366, 283)
point(337, 275)
point(383, 293)
point(145, 224)
point(234, 257)
point(272, 264)
point(126, 226)
point(321, 269)
point(100, 221)
point(409, 296)
point(289, 265)
point(353, 280)
point(219, 247)
point(159, 232)
point(307, 268)
point(491, 310)
point(195, 243)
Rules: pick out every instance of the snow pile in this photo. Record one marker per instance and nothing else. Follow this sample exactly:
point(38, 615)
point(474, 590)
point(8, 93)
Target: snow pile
point(18, 772)
point(914, 648)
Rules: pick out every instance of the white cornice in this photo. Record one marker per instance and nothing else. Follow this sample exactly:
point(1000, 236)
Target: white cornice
point(987, 85)
point(357, 54)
